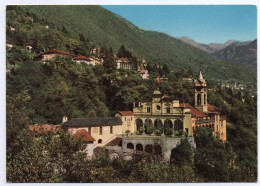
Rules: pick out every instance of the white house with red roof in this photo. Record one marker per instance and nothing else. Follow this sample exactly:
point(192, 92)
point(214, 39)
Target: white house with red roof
point(81, 59)
point(88, 140)
point(123, 63)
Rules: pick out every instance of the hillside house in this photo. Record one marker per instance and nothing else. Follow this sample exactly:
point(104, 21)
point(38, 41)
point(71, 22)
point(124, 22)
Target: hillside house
point(81, 59)
point(95, 52)
point(53, 53)
point(103, 129)
point(123, 63)
point(88, 140)
point(142, 70)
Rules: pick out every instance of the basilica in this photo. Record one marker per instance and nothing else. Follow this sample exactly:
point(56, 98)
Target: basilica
point(158, 122)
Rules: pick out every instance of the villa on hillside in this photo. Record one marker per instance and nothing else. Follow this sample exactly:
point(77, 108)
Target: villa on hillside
point(53, 53)
point(142, 70)
point(123, 63)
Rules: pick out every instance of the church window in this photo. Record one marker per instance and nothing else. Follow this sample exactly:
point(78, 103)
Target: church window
point(204, 99)
point(148, 109)
point(100, 130)
point(111, 129)
point(158, 107)
point(168, 110)
point(100, 141)
point(199, 99)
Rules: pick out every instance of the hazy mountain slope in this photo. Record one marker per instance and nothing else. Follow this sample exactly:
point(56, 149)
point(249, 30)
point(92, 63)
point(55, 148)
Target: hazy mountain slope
point(246, 54)
point(198, 45)
point(108, 29)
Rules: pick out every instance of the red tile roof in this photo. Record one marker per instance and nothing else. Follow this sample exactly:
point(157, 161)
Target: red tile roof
point(126, 113)
point(194, 112)
point(212, 108)
point(84, 135)
point(54, 51)
point(81, 58)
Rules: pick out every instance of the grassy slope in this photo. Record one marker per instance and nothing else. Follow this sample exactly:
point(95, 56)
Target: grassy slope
point(108, 29)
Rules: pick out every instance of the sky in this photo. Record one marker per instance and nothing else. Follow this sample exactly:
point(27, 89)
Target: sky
point(202, 23)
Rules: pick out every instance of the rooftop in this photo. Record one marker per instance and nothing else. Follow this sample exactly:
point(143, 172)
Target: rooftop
point(84, 135)
point(194, 112)
point(54, 51)
point(81, 58)
point(126, 113)
point(106, 121)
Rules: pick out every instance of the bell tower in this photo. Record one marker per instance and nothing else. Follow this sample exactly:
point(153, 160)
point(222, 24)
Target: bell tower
point(201, 94)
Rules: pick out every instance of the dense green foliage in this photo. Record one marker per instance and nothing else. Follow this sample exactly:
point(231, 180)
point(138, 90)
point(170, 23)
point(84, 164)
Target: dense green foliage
point(45, 92)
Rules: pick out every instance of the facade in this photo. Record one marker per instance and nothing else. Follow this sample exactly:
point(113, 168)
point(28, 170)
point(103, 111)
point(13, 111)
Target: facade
point(123, 63)
point(95, 51)
point(142, 70)
point(102, 130)
point(96, 61)
point(163, 114)
point(53, 53)
point(88, 61)
point(81, 59)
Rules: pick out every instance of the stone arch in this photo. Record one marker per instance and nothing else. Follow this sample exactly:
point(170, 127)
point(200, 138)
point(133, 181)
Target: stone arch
point(168, 126)
point(130, 146)
point(158, 124)
point(114, 156)
point(198, 99)
point(157, 149)
point(148, 124)
point(139, 147)
point(178, 125)
point(139, 124)
point(149, 148)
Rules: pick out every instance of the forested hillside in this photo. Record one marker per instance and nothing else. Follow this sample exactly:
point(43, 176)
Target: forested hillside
point(41, 93)
point(104, 28)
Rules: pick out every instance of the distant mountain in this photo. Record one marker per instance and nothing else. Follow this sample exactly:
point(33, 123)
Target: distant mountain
point(200, 46)
point(104, 28)
point(218, 46)
point(245, 54)
point(213, 47)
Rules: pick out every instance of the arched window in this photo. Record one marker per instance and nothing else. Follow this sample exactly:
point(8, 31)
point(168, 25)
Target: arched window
point(139, 124)
point(178, 125)
point(158, 125)
point(130, 146)
point(139, 147)
point(148, 124)
point(198, 99)
point(168, 127)
point(148, 109)
point(205, 99)
point(168, 110)
point(100, 141)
